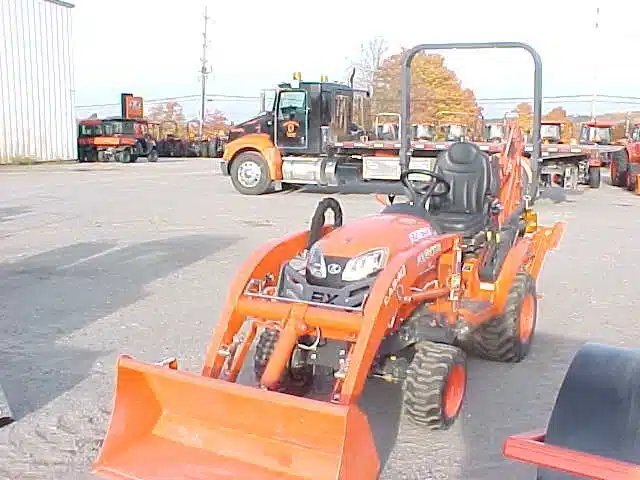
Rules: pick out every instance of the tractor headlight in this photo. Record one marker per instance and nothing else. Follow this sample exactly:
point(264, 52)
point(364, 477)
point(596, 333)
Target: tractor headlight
point(364, 265)
point(315, 262)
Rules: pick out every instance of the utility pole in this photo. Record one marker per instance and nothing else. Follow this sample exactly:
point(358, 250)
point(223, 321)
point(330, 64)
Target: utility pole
point(204, 72)
point(596, 40)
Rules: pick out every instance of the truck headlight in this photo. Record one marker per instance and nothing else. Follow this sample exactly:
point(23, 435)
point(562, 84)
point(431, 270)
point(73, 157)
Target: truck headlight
point(316, 264)
point(364, 265)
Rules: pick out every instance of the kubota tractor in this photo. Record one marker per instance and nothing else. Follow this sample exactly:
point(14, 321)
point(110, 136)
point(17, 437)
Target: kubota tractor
point(593, 429)
point(400, 295)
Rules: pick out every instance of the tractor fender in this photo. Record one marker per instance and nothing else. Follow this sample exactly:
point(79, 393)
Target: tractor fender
point(513, 263)
point(257, 142)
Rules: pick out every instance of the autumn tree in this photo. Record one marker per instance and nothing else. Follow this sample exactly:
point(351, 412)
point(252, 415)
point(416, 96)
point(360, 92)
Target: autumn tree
point(559, 114)
point(434, 89)
point(525, 116)
point(215, 123)
point(371, 55)
point(167, 113)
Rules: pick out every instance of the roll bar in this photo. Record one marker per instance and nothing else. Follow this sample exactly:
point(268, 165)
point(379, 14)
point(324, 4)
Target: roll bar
point(405, 104)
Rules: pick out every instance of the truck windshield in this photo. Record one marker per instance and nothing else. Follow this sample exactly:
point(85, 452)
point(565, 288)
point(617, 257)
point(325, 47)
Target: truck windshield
point(292, 103)
point(94, 130)
point(495, 131)
point(600, 135)
point(550, 131)
point(120, 127)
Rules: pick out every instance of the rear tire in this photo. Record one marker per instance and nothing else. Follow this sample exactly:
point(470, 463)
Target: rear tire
point(508, 337)
point(250, 174)
point(594, 177)
point(153, 156)
point(435, 385)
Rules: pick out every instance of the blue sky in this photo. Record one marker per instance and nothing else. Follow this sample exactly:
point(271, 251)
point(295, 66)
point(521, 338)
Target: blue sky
point(255, 44)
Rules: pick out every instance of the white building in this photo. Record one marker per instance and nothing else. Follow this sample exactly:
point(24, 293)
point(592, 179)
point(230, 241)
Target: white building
point(37, 120)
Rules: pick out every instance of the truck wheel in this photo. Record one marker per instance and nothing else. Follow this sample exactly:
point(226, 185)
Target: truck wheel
point(594, 177)
point(125, 156)
point(632, 172)
point(250, 174)
point(153, 156)
point(435, 386)
point(508, 337)
point(297, 379)
point(92, 156)
point(618, 168)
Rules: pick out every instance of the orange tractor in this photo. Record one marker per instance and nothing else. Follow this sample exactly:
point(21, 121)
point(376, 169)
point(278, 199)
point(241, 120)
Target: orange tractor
point(593, 429)
point(400, 295)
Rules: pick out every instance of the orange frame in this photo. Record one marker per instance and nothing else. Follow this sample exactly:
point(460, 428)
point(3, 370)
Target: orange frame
point(530, 448)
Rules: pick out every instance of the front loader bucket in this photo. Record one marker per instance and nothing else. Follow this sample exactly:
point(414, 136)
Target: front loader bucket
point(168, 424)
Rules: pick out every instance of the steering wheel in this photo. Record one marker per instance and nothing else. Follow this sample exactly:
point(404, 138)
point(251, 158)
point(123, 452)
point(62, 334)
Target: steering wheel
point(420, 194)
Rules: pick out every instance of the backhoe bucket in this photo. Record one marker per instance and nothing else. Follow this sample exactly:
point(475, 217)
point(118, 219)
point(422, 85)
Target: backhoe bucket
point(168, 425)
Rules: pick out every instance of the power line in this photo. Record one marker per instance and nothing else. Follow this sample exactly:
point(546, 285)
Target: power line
point(211, 96)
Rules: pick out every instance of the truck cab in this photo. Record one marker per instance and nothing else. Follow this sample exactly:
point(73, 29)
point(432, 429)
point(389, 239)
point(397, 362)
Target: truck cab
point(551, 132)
point(598, 133)
point(305, 117)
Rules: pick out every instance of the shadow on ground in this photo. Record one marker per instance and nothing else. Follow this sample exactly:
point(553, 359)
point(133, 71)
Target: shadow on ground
point(519, 398)
point(48, 296)
point(7, 213)
point(559, 195)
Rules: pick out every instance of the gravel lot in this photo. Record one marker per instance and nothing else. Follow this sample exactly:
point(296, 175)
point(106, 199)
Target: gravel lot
point(105, 258)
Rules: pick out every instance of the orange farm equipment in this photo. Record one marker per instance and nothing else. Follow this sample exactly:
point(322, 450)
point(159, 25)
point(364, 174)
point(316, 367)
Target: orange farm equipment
point(400, 295)
point(124, 139)
point(625, 163)
point(592, 432)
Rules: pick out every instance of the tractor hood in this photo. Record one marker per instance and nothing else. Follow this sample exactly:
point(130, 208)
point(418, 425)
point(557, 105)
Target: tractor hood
point(394, 232)
point(362, 248)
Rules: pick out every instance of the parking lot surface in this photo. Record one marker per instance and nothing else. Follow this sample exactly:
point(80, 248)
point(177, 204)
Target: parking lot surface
point(99, 259)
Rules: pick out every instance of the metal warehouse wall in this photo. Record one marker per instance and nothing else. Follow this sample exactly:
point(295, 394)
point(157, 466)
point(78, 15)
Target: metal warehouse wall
point(37, 120)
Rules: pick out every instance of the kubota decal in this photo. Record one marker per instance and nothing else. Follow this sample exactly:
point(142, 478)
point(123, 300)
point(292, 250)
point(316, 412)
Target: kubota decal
point(428, 253)
point(394, 284)
point(420, 234)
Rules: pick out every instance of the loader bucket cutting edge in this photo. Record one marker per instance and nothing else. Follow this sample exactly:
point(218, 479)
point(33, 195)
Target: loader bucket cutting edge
point(169, 424)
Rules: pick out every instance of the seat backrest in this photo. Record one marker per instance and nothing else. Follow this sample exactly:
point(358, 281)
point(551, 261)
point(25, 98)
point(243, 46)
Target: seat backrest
point(469, 173)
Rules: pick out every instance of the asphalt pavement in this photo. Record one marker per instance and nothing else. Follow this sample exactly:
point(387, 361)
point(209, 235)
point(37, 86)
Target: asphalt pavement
point(101, 259)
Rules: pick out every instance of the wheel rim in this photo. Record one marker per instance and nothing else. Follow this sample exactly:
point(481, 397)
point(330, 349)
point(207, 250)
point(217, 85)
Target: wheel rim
point(454, 391)
point(249, 174)
point(526, 319)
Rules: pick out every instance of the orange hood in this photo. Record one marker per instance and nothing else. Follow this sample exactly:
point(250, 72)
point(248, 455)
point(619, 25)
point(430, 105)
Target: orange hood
point(392, 231)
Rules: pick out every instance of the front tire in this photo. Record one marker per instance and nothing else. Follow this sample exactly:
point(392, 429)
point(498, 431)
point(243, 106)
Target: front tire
point(250, 174)
point(435, 385)
point(594, 177)
point(508, 337)
point(296, 379)
point(153, 156)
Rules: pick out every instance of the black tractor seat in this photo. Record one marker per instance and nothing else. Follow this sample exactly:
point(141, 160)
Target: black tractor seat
point(465, 209)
